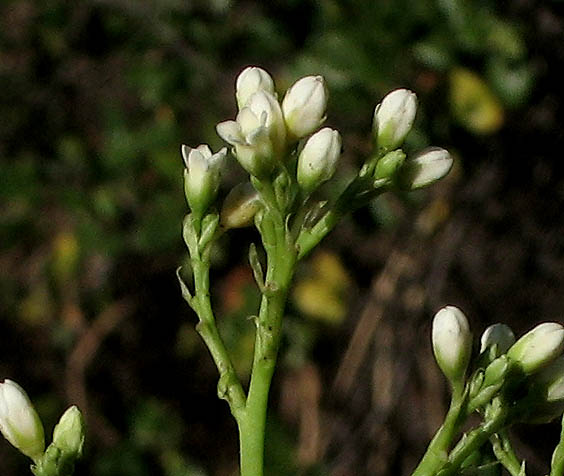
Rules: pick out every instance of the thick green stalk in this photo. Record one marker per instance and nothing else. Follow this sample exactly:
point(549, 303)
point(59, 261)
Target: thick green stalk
point(361, 191)
point(281, 259)
point(471, 442)
point(557, 464)
point(437, 451)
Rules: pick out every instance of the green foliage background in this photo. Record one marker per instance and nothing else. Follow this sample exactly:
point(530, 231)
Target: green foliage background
point(96, 98)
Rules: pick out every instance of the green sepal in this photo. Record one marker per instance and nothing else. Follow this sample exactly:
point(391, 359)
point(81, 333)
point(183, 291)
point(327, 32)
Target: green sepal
point(489, 469)
point(209, 227)
point(190, 234)
point(186, 294)
point(313, 215)
point(282, 190)
point(54, 462)
point(256, 267)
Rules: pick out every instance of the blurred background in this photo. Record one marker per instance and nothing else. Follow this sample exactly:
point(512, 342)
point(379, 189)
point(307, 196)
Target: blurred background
point(96, 98)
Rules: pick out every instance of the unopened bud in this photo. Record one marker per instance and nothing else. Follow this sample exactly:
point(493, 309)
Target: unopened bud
point(318, 159)
point(452, 342)
point(393, 118)
point(68, 434)
point(499, 335)
point(251, 80)
point(538, 347)
point(304, 106)
point(496, 371)
point(201, 176)
point(425, 168)
point(388, 165)
point(545, 398)
point(553, 377)
point(19, 421)
point(240, 206)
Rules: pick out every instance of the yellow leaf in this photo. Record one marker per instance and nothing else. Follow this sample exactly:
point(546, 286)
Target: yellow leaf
point(473, 103)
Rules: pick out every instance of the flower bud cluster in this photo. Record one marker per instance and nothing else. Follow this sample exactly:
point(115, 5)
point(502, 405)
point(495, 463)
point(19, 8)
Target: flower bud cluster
point(264, 130)
point(393, 119)
point(529, 372)
point(21, 426)
point(267, 135)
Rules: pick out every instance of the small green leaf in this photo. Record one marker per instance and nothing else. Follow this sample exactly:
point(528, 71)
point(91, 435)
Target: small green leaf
point(256, 266)
point(184, 288)
point(209, 227)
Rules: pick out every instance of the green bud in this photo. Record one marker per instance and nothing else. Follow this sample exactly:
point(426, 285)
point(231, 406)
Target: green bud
point(538, 347)
point(68, 435)
point(496, 372)
point(388, 165)
point(484, 389)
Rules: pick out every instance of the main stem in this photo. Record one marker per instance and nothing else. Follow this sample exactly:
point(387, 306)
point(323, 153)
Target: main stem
point(557, 464)
point(437, 451)
point(281, 259)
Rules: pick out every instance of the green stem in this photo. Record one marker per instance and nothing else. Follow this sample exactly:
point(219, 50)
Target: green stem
point(229, 387)
point(281, 259)
point(505, 454)
point(308, 239)
point(557, 464)
point(357, 194)
point(437, 451)
point(471, 442)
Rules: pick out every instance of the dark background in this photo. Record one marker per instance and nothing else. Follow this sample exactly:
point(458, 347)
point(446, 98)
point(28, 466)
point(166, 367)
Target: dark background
point(96, 98)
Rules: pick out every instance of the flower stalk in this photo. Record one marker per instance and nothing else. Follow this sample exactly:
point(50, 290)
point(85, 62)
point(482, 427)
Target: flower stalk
point(287, 158)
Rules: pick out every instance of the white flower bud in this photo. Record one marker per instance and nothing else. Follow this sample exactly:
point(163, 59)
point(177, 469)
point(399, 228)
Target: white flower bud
point(258, 135)
point(553, 378)
point(19, 421)
point(497, 334)
point(538, 347)
point(318, 159)
point(545, 397)
point(452, 342)
point(304, 106)
point(393, 118)
point(68, 435)
point(251, 80)
point(240, 206)
point(425, 168)
point(201, 176)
